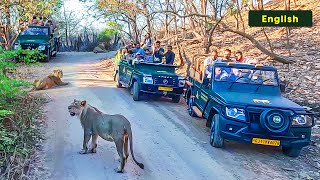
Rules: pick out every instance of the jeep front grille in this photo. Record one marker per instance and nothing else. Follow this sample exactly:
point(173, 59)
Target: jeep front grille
point(165, 81)
point(29, 46)
point(254, 117)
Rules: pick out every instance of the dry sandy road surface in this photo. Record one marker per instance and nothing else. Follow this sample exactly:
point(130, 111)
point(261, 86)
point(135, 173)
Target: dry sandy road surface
point(170, 143)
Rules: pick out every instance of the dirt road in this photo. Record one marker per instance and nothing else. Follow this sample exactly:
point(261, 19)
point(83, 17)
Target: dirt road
point(170, 143)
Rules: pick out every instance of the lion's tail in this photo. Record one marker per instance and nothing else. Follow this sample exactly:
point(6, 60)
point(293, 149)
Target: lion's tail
point(129, 132)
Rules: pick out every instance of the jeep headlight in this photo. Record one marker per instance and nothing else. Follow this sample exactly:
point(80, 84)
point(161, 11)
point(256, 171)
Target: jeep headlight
point(302, 120)
point(42, 47)
point(236, 113)
point(147, 80)
point(182, 81)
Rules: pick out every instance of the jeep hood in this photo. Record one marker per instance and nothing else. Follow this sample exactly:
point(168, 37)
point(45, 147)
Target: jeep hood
point(255, 99)
point(33, 39)
point(156, 69)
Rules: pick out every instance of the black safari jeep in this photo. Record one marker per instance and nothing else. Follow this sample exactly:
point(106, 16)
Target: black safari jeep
point(38, 37)
point(243, 102)
point(152, 78)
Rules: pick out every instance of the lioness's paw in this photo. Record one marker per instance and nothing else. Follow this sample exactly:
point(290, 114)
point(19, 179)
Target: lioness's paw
point(93, 150)
point(119, 170)
point(83, 152)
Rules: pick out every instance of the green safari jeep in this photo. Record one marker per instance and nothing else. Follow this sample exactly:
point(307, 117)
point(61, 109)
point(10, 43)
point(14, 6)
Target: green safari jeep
point(152, 78)
point(39, 37)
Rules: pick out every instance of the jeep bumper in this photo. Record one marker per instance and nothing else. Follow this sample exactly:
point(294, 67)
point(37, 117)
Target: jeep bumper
point(154, 89)
point(296, 137)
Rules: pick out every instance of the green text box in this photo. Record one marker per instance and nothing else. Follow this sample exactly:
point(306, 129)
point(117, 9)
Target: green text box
point(280, 18)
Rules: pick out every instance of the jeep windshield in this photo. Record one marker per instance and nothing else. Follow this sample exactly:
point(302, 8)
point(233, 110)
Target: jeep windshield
point(246, 76)
point(35, 31)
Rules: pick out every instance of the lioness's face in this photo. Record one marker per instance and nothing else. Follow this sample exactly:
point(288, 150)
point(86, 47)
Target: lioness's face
point(76, 107)
point(58, 73)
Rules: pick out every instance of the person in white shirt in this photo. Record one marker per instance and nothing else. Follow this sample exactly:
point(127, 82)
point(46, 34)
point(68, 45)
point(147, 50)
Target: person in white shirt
point(208, 63)
point(138, 58)
point(241, 59)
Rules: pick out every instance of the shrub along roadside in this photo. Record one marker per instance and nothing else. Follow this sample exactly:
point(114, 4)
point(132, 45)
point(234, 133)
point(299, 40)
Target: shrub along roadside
point(19, 131)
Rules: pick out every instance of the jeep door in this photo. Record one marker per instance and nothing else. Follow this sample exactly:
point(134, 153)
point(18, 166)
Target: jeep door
point(205, 89)
point(123, 66)
point(197, 94)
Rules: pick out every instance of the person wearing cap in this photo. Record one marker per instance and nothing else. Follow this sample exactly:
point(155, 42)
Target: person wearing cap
point(138, 58)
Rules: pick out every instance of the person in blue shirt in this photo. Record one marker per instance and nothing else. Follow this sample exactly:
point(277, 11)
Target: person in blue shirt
point(139, 50)
point(169, 55)
point(158, 51)
point(149, 58)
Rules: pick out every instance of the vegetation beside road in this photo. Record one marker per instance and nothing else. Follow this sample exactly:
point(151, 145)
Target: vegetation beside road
point(19, 111)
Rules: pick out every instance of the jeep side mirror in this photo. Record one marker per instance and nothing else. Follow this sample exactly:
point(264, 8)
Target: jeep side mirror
point(283, 85)
point(282, 88)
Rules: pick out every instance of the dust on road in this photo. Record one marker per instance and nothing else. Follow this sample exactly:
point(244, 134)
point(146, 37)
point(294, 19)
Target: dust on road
point(170, 143)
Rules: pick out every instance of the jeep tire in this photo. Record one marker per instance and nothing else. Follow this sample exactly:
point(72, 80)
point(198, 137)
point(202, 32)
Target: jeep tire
point(118, 83)
point(291, 151)
point(47, 59)
point(136, 91)
point(190, 104)
point(215, 138)
point(176, 98)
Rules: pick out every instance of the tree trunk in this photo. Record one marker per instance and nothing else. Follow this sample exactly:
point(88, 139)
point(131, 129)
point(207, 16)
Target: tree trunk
point(251, 5)
point(167, 19)
point(240, 16)
point(260, 4)
point(146, 14)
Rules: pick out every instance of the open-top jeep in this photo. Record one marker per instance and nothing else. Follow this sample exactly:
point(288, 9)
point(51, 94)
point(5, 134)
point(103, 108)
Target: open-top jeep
point(152, 78)
point(243, 102)
point(38, 37)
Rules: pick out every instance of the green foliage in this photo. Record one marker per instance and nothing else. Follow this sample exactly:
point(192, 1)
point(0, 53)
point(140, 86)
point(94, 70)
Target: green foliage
point(16, 114)
point(5, 113)
point(25, 55)
point(110, 31)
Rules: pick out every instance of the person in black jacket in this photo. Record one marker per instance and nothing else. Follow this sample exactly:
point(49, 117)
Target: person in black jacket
point(169, 55)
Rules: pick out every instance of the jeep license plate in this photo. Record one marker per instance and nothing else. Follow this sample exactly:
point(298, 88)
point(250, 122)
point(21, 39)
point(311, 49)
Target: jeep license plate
point(161, 88)
point(267, 142)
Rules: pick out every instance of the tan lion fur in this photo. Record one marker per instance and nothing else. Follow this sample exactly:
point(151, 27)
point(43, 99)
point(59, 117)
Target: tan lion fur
point(52, 80)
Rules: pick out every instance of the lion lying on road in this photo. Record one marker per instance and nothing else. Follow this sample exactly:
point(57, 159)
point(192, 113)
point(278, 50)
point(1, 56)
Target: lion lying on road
point(114, 128)
point(54, 79)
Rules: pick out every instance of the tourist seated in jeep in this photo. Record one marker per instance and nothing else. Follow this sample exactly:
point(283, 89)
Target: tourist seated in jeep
point(138, 49)
point(138, 58)
point(208, 63)
point(149, 58)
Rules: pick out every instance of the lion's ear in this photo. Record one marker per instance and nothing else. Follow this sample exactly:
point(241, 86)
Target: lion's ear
point(83, 103)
